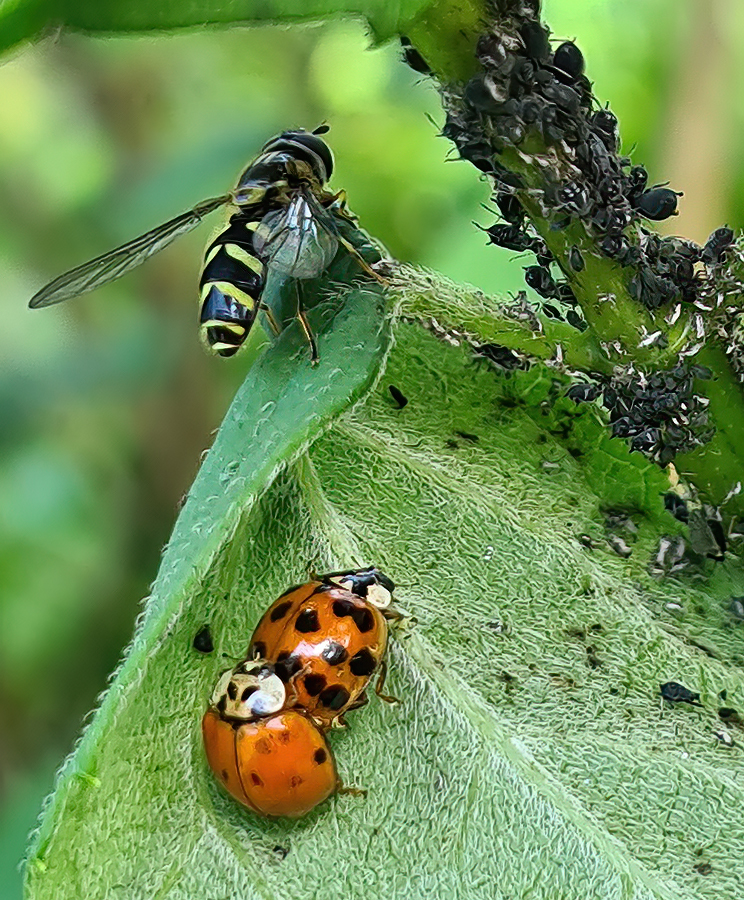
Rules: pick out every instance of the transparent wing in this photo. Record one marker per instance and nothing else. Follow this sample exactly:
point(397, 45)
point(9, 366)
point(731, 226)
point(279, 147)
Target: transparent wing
point(115, 263)
point(299, 241)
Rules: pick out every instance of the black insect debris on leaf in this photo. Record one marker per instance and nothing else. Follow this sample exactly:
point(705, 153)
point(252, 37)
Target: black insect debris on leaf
point(673, 692)
point(203, 640)
point(398, 396)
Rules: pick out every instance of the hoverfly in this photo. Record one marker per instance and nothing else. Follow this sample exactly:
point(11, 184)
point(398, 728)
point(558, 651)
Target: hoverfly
point(286, 223)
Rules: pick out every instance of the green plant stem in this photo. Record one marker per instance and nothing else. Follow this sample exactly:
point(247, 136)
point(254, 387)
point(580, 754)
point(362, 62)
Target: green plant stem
point(482, 320)
point(716, 467)
point(445, 34)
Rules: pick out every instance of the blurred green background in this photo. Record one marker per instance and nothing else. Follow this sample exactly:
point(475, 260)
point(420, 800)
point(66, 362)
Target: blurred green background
point(107, 402)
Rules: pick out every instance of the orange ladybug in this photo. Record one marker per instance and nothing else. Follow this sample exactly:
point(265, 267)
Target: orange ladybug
point(279, 765)
point(326, 639)
point(276, 762)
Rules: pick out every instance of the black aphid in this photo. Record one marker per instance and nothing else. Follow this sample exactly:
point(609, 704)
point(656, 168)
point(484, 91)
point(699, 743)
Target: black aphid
point(657, 204)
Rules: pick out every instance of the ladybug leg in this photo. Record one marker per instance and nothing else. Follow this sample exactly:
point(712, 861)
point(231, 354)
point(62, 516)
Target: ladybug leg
point(340, 720)
point(381, 683)
point(361, 700)
point(393, 615)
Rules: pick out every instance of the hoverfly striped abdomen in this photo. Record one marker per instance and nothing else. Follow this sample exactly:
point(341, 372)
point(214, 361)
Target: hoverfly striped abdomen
point(234, 273)
point(231, 284)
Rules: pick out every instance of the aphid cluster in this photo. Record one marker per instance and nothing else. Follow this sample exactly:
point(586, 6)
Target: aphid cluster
point(725, 281)
point(529, 120)
point(529, 90)
point(309, 661)
point(659, 413)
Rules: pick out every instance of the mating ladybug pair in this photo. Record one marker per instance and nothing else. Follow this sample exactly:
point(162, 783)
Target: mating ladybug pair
point(309, 662)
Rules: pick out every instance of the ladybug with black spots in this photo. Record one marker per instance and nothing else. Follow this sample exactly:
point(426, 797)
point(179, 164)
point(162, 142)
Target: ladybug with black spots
point(273, 760)
point(327, 639)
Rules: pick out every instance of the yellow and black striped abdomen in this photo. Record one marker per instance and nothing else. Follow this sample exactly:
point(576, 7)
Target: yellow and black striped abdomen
point(231, 284)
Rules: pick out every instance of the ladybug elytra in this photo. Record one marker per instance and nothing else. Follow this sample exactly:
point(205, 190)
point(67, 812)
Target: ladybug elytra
point(327, 639)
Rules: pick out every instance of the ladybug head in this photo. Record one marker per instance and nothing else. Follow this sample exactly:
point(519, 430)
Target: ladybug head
point(370, 584)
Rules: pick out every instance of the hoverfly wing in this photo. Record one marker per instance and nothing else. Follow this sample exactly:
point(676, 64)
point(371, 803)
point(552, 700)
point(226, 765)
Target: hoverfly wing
point(112, 265)
point(299, 241)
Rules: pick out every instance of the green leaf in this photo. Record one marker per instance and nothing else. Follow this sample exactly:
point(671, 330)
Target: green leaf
point(528, 750)
point(24, 19)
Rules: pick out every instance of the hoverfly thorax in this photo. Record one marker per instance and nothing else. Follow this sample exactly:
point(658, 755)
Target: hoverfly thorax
point(286, 162)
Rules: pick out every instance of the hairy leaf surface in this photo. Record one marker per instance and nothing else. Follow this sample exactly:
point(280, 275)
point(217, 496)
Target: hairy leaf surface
point(528, 756)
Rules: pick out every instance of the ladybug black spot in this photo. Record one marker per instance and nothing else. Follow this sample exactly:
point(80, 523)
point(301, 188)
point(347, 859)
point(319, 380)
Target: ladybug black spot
point(256, 779)
point(232, 690)
point(257, 650)
point(363, 663)
point(279, 612)
point(307, 621)
point(320, 756)
point(247, 693)
point(222, 704)
point(224, 774)
point(314, 684)
point(364, 620)
point(334, 697)
point(334, 654)
point(287, 666)
point(342, 608)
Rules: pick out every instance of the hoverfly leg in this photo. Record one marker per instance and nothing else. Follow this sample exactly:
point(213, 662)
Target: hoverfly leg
point(273, 324)
point(306, 327)
point(353, 252)
point(338, 201)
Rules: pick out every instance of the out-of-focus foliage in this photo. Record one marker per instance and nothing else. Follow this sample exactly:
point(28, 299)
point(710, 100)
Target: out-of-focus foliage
point(107, 402)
